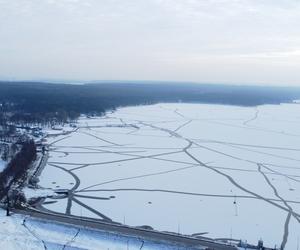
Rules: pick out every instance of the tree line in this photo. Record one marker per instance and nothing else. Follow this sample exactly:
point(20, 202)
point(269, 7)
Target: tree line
point(17, 167)
point(33, 102)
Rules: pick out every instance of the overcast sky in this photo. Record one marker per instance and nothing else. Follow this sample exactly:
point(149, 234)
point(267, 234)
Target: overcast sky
point(224, 41)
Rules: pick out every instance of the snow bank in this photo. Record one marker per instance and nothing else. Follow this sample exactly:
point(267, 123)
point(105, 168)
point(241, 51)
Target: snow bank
point(31, 193)
point(2, 165)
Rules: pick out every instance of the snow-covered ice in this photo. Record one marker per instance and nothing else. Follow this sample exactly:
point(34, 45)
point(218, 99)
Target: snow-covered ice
point(226, 170)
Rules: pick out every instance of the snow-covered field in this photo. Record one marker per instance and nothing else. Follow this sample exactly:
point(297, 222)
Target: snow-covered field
point(229, 171)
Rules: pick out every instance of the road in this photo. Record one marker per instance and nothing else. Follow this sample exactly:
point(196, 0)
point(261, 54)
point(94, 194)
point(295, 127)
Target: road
point(151, 235)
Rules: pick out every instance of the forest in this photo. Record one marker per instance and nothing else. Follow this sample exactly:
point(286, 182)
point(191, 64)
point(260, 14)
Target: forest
point(17, 167)
point(43, 102)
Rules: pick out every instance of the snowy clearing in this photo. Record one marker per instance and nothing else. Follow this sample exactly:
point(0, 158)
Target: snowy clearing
point(2, 165)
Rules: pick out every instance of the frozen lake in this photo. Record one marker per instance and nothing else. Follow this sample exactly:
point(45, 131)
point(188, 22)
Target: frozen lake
point(230, 171)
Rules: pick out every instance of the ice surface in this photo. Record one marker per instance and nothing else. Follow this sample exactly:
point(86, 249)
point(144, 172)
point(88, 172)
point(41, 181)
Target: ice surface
point(226, 170)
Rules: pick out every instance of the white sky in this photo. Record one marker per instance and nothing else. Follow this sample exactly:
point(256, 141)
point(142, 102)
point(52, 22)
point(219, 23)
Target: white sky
point(225, 41)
